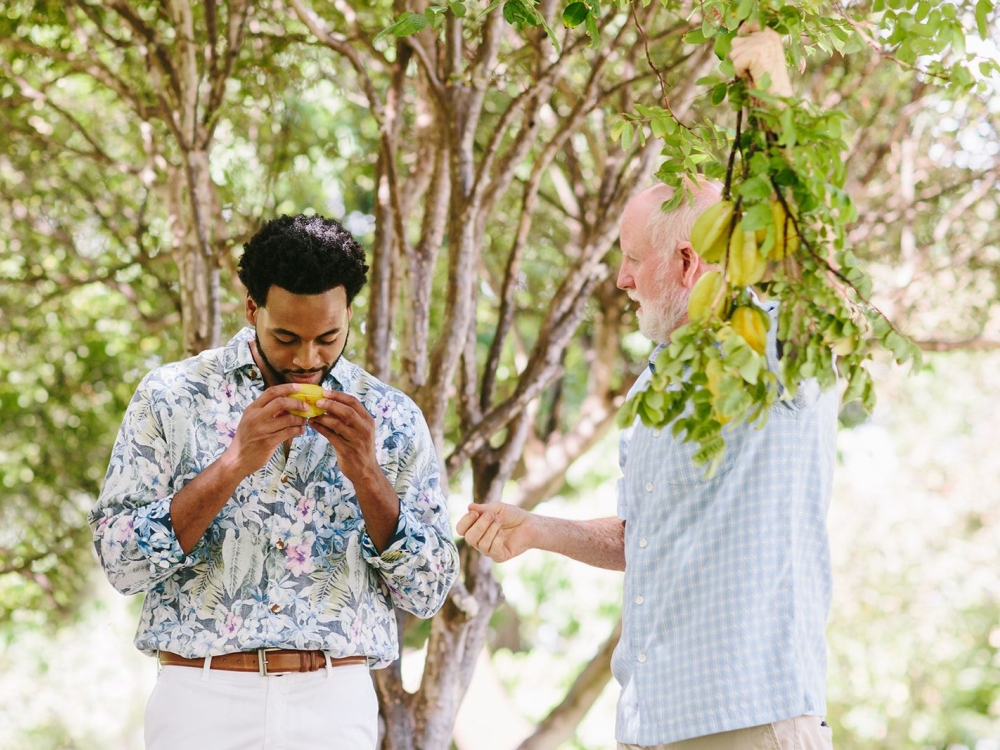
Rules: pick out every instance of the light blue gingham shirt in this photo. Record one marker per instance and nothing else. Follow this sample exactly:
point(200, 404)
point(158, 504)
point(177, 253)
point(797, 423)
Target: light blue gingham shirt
point(727, 579)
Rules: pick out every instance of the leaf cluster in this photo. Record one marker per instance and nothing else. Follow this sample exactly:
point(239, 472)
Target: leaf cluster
point(788, 153)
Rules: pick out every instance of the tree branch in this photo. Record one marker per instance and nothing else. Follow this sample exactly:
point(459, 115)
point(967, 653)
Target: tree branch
point(559, 725)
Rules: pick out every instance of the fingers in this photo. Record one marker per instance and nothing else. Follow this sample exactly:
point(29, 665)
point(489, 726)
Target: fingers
point(761, 54)
point(345, 412)
point(345, 416)
point(275, 392)
point(466, 521)
point(483, 532)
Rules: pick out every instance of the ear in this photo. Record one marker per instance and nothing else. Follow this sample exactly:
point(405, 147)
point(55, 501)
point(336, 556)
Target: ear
point(692, 266)
point(251, 311)
point(350, 312)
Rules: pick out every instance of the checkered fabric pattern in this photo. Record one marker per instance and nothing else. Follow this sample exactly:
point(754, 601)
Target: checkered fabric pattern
point(727, 581)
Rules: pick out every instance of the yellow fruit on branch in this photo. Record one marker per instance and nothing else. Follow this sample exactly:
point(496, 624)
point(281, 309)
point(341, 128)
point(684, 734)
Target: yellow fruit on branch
point(308, 394)
point(786, 238)
point(713, 373)
point(708, 297)
point(710, 232)
point(745, 265)
point(845, 345)
point(750, 322)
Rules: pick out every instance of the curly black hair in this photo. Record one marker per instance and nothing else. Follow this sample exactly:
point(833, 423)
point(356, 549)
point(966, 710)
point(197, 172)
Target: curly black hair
point(303, 255)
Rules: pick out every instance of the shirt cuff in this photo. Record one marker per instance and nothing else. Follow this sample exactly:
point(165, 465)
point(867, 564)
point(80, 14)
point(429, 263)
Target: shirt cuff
point(155, 537)
point(407, 540)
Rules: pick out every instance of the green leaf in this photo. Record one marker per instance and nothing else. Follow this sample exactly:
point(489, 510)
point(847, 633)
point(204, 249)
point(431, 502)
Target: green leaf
point(457, 8)
point(789, 135)
point(898, 345)
point(627, 414)
point(626, 133)
point(407, 24)
point(750, 370)
point(757, 217)
point(723, 43)
point(755, 189)
point(983, 8)
point(695, 37)
point(710, 450)
point(593, 31)
point(518, 11)
point(575, 14)
point(663, 127)
point(719, 92)
point(617, 128)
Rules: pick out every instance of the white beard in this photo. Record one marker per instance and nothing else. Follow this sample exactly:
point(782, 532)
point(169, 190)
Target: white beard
point(670, 311)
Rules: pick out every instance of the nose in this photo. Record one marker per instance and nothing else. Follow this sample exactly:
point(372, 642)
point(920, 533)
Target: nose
point(307, 357)
point(625, 280)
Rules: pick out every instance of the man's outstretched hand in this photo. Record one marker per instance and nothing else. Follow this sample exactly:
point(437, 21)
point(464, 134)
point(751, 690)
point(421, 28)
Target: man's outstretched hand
point(498, 530)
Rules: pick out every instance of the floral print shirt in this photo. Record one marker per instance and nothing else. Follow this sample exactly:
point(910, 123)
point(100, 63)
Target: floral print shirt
point(287, 562)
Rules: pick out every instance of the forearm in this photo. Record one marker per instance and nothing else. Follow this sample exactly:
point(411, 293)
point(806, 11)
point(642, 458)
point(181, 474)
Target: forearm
point(379, 505)
point(196, 505)
point(599, 542)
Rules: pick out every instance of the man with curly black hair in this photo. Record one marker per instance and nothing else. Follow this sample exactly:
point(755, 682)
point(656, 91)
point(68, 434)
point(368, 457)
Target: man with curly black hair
point(273, 548)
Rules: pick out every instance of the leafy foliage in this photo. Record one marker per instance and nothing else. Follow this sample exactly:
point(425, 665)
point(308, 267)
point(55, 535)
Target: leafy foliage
point(791, 154)
point(477, 147)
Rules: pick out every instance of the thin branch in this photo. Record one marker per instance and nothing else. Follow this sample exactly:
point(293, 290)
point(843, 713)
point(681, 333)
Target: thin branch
point(873, 43)
point(158, 51)
point(340, 44)
point(665, 98)
point(564, 316)
point(977, 344)
point(562, 720)
point(548, 474)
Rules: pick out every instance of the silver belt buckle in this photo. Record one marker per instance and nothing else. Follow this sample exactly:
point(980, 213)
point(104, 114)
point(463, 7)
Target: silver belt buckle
point(262, 660)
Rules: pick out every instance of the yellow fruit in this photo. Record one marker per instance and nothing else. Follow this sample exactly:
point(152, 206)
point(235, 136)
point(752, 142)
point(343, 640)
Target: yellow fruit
point(707, 298)
point(845, 345)
point(786, 239)
point(714, 372)
point(711, 230)
point(750, 322)
point(309, 395)
point(745, 265)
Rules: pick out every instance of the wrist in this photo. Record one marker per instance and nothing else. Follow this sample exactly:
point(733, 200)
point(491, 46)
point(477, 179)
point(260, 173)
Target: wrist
point(228, 468)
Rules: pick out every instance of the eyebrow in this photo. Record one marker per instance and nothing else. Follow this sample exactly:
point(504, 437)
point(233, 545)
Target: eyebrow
point(286, 332)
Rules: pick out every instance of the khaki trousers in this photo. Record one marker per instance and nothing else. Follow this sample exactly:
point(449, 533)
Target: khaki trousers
point(800, 733)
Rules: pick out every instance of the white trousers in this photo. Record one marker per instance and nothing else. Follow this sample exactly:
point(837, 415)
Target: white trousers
point(331, 709)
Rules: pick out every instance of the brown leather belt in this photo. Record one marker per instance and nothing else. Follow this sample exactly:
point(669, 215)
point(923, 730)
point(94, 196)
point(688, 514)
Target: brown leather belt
point(264, 661)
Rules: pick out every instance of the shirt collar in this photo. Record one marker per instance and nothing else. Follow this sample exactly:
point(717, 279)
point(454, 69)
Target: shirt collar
point(656, 353)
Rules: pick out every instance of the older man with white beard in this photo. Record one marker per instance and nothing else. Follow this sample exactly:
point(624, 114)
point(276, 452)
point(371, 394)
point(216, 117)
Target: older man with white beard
point(727, 578)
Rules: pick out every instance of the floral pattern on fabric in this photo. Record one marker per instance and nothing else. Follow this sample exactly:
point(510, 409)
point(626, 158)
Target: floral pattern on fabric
point(287, 562)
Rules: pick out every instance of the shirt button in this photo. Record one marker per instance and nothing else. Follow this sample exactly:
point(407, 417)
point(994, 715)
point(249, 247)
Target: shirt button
point(284, 478)
point(252, 373)
point(279, 544)
point(649, 487)
point(639, 600)
point(275, 608)
point(642, 658)
point(656, 433)
point(643, 543)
